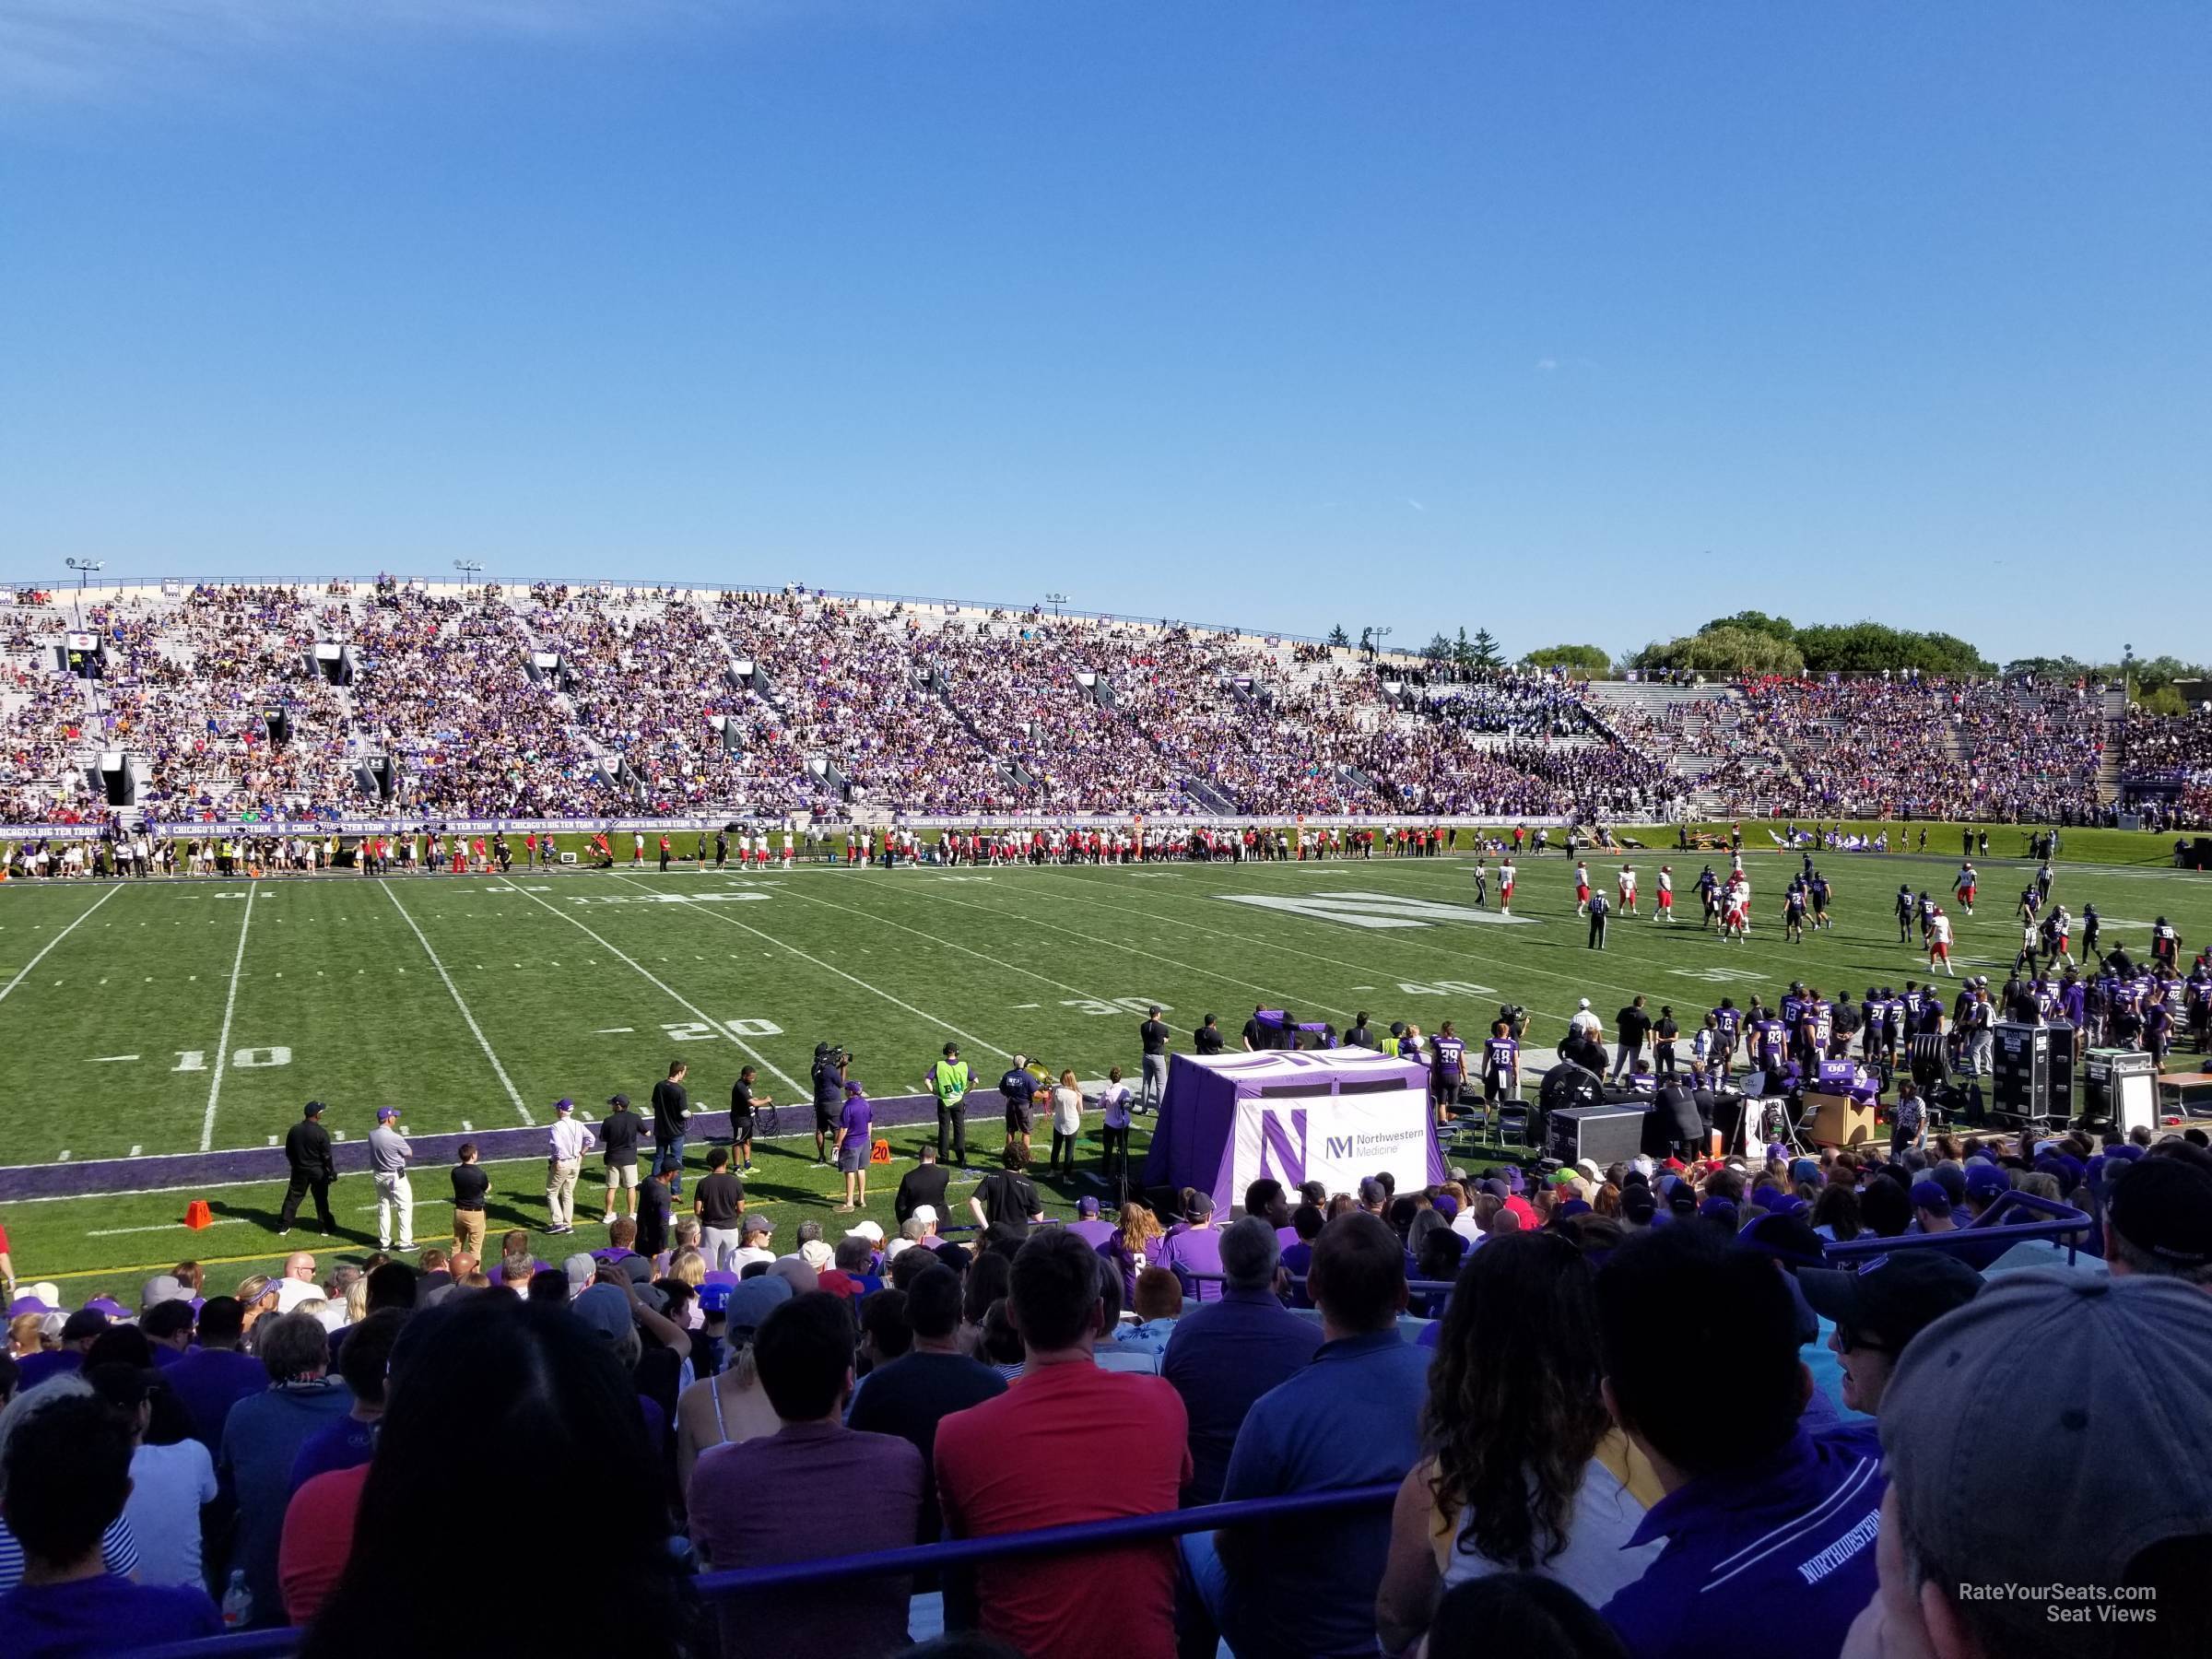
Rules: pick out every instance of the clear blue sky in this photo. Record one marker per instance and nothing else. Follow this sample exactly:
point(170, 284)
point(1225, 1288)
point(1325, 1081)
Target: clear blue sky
point(1578, 322)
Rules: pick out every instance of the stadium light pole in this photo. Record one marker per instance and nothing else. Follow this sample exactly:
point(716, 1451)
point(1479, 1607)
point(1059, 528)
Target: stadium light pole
point(1379, 635)
point(467, 567)
point(1056, 601)
point(84, 568)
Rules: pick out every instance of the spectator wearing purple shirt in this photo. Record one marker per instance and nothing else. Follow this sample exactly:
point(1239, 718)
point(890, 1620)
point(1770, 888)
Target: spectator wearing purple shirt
point(351, 1441)
point(1227, 1353)
point(1087, 1225)
point(77, 1332)
point(1193, 1247)
point(214, 1376)
point(65, 1481)
point(814, 1488)
point(853, 1125)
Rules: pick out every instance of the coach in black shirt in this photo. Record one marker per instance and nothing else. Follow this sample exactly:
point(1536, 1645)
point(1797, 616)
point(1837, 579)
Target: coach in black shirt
point(307, 1149)
point(1153, 1035)
point(671, 1111)
point(1207, 1039)
point(618, 1136)
point(1257, 1036)
point(925, 1184)
point(470, 1185)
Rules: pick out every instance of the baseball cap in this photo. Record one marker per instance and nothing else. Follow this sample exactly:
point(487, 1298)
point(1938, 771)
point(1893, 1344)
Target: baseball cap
point(30, 1303)
point(817, 1255)
point(1588, 1166)
point(2096, 1371)
point(1717, 1209)
point(1951, 1178)
point(1446, 1205)
point(1582, 1003)
point(162, 1287)
point(84, 1323)
point(564, 1104)
point(581, 1269)
point(714, 1298)
point(384, 1114)
point(2163, 1206)
point(1927, 1194)
point(1908, 1292)
point(1786, 1237)
point(752, 1300)
point(1804, 1171)
point(1986, 1180)
point(870, 1230)
point(1086, 1205)
point(618, 1100)
point(855, 1088)
point(313, 1109)
point(924, 1212)
point(1371, 1191)
point(109, 1306)
point(754, 1225)
point(1638, 1205)
point(605, 1310)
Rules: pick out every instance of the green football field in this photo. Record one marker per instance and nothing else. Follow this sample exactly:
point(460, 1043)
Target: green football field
point(183, 1017)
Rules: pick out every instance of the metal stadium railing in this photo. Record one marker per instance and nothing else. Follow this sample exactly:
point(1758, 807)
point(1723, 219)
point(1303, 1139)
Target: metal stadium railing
point(915, 1559)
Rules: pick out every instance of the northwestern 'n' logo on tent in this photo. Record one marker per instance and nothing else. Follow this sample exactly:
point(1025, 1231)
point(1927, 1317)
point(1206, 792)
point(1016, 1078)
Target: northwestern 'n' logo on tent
point(1373, 910)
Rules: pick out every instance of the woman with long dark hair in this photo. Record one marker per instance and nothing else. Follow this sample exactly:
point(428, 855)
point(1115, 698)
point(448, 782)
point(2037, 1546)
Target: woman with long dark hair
point(1528, 1474)
point(494, 1402)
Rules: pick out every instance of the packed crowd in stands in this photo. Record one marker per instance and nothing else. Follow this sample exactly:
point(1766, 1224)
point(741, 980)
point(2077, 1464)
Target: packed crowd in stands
point(1601, 1395)
point(664, 701)
point(1915, 746)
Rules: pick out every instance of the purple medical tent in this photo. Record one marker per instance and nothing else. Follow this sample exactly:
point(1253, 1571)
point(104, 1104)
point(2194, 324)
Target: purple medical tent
point(1334, 1117)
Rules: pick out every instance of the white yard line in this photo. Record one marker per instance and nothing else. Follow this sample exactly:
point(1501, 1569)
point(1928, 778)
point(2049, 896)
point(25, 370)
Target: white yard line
point(678, 997)
point(25, 972)
point(117, 1233)
point(922, 1014)
point(1458, 956)
point(474, 1029)
point(985, 956)
point(222, 1045)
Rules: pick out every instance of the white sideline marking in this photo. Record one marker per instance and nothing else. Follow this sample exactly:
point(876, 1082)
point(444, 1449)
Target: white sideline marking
point(476, 1030)
point(116, 1232)
point(55, 940)
point(109, 1059)
point(613, 1031)
point(222, 1046)
point(681, 1001)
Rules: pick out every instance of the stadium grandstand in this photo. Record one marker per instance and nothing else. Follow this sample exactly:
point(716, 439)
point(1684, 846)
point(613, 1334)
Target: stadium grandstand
point(391, 698)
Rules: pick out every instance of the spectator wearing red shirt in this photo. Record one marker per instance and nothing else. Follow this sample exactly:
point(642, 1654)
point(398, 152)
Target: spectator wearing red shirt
point(1067, 1443)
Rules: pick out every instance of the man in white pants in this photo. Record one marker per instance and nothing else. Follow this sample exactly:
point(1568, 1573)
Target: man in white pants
point(567, 1143)
point(388, 1155)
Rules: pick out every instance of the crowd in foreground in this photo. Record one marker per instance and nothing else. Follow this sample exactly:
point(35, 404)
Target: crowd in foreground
point(1650, 1409)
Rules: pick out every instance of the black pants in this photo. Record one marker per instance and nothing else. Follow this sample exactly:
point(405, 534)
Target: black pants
point(1597, 932)
point(953, 1121)
point(1063, 1144)
point(1114, 1154)
point(300, 1184)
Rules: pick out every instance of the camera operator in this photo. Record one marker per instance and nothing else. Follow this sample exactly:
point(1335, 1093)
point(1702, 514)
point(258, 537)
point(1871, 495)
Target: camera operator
point(828, 1081)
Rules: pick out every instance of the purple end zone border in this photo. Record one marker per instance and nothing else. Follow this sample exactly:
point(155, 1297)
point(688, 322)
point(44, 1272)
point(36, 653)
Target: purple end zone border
point(182, 1170)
